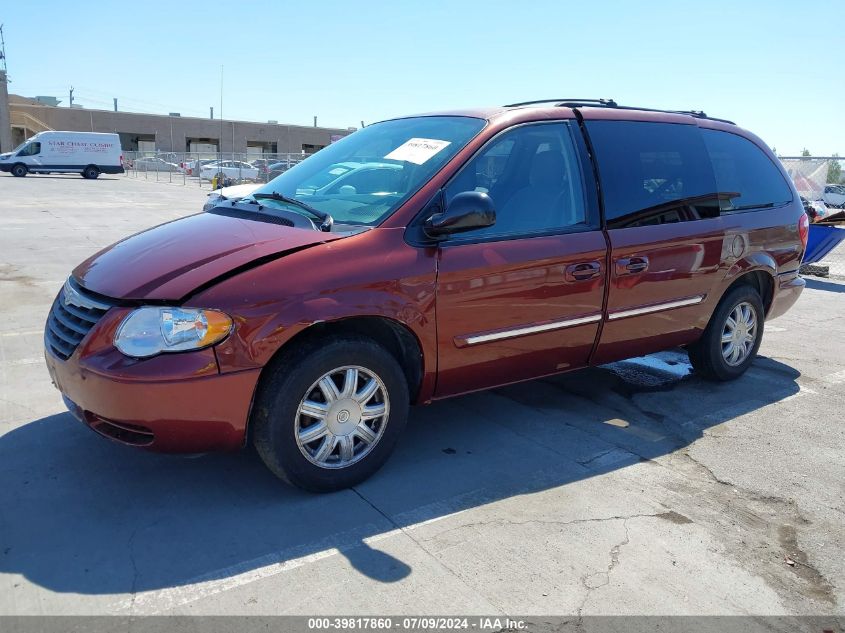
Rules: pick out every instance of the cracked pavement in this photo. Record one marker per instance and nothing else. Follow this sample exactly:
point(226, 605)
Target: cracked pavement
point(629, 489)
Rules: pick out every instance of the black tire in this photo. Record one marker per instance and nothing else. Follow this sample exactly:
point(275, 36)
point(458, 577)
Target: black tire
point(90, 172)
point(288, 379)
point(19, 170)
point(706, 354)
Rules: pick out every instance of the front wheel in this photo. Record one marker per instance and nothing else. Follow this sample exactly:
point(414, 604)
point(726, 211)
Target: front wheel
point(328, 416)
point(732, 337)
point(19, 170)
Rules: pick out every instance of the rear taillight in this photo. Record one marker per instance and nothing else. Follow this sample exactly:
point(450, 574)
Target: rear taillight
point(804, 229)
point(121, 160)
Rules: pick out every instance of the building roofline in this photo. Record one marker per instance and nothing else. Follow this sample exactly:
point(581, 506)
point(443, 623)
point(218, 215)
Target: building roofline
point(13, 105)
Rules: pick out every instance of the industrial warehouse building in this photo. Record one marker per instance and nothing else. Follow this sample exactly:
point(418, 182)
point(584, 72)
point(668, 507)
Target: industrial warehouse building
point(168, 133)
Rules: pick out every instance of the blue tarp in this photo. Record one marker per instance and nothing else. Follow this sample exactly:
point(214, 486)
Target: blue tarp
point(822, 240)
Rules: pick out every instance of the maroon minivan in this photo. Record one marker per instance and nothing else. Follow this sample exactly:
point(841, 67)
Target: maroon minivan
point(425, 257)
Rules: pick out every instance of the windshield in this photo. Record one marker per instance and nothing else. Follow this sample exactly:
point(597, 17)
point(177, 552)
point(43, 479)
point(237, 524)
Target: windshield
point(21, 146)
point(364, 177)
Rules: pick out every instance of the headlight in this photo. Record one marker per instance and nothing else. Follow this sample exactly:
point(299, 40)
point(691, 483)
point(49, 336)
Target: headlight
point(149, 331)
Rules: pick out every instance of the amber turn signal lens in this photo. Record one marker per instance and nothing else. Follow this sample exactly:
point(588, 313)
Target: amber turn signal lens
point(218, 325)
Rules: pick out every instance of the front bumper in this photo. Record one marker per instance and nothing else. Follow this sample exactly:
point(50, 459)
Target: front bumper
point(173, 403)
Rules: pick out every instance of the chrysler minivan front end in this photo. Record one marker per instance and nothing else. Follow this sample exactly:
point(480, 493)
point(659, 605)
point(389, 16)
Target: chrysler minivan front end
point(148, 351)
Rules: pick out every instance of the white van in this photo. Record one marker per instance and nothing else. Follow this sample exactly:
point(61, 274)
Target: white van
point(86, 153)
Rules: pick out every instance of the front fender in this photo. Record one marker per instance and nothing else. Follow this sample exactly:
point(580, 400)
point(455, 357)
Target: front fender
point(374, 274)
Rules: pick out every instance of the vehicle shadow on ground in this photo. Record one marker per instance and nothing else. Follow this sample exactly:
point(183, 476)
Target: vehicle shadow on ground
point(82, 515)
point(830, 286)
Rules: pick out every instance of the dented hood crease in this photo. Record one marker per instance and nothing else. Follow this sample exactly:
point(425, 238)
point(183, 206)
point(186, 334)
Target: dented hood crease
point(170, 261)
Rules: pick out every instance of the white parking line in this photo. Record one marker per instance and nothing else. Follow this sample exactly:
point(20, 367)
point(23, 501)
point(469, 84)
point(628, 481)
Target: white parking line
point(215, 582)
point(22, 333)
point(802, 391)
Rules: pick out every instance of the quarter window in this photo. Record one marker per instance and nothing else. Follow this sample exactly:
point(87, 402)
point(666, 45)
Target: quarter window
point(743, 170)
point(653, 173)
point(533, 175)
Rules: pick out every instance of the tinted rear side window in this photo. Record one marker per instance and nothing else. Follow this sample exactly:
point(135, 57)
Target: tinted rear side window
point(744, 169)
point(653, 173)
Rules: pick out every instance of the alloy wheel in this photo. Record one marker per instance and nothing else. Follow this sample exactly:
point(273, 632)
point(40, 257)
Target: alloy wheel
point(739, 334)
point(342, 417)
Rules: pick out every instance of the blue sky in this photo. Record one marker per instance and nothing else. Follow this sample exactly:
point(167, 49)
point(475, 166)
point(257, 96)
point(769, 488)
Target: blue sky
point(773, 67)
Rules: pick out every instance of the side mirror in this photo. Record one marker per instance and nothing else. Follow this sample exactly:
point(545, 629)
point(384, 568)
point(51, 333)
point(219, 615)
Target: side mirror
point(467, 211)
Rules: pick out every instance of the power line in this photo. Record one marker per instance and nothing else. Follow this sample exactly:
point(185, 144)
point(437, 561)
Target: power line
point(124, 98)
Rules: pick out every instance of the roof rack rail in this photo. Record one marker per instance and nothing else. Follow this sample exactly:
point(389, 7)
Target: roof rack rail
point(594, 102)
point(610, 103)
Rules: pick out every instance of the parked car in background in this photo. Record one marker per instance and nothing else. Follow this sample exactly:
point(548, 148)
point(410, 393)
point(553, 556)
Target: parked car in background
point(233, 169)
point(192, 167)
point(235, 192)
point(277, 169)
point(263, 164)
point(307, 317)
point(834, 196)
point(153, 163)
point(366, 178)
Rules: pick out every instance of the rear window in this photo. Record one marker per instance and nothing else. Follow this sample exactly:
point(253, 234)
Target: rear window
point(744, 169)
point(653, 173)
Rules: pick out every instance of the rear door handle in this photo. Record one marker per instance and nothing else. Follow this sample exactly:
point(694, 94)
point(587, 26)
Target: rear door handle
point(582, 271)
point(631, 265)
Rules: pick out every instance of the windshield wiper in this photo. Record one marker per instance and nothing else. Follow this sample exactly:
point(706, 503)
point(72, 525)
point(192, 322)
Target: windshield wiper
point(326, 221)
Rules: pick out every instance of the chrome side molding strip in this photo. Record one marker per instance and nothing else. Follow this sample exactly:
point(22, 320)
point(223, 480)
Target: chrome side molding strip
point(657, 307)
point(474, 339)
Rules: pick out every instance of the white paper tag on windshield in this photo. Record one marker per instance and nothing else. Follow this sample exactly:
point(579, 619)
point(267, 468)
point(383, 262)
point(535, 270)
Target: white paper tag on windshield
point(417, 150)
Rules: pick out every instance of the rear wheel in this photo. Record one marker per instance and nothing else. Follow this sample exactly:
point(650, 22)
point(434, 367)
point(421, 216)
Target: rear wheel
point(19, 170)
point(732, 337)
point(90, 172)
point(327, 416)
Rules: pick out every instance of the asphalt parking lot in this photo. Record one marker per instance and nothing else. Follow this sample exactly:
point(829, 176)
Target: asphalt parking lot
point(630, 489)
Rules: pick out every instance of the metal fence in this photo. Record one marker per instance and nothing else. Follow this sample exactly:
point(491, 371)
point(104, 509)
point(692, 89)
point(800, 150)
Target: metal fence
point(820, 180)
point(208, 170)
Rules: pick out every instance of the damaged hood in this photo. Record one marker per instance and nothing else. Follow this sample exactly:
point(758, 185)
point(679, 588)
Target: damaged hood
point(170, 261)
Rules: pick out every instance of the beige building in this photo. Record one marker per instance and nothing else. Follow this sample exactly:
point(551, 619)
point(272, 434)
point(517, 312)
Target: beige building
point(169, 133)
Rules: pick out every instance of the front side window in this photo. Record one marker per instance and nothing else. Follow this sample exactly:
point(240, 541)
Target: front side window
point(366, 176)
point(33, 149)
point(533, 175)
point(653, 173)
point(744, 173)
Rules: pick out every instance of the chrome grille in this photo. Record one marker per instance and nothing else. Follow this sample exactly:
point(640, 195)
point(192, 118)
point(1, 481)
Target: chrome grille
point(75, 311)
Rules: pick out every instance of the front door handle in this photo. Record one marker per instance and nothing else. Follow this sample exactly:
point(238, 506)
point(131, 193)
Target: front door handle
point(631, 265)
point(582, 271)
